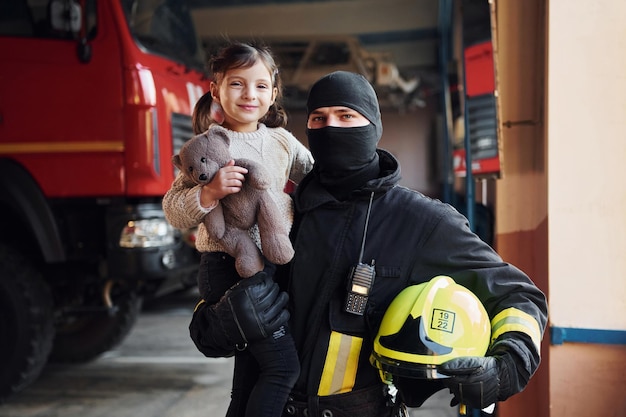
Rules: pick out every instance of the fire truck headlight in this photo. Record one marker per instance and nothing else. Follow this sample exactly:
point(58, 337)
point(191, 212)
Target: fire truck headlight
point(147, 233)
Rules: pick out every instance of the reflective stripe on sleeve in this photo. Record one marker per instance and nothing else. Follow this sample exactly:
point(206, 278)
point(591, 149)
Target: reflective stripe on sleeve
point(514, 320)
point(342, 359)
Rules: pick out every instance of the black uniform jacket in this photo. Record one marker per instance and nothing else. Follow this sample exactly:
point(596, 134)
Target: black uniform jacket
point(410, 238)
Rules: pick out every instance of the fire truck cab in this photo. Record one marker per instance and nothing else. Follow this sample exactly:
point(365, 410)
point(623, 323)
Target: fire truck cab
point(95, 98)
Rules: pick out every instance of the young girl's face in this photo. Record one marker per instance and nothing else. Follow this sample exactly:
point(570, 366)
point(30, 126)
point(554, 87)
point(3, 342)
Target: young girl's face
point(245, 95)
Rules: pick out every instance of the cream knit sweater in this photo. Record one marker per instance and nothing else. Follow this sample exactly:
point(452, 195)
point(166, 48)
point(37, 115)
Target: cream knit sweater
point(275, 148)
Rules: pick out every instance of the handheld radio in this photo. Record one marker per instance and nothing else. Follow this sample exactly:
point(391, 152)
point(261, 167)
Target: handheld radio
point(361, 277)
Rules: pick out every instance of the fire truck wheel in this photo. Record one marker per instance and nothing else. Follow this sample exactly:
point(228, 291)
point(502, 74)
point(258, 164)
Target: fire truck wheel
point(83, 338)
point(26, 322)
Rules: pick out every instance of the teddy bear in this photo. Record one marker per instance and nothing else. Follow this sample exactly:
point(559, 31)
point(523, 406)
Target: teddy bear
point(199, 159)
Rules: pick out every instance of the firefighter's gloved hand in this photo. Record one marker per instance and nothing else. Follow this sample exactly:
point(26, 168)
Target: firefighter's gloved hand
point(252, 309)
point(477, 382)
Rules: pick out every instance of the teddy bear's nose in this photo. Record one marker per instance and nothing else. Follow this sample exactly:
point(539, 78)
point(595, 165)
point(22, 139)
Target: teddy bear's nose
point(202, 177)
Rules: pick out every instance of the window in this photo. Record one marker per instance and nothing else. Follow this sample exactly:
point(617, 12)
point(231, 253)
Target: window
point(54, 19)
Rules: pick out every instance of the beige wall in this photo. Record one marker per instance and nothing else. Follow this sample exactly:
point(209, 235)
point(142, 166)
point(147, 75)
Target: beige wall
point(587, 121)
point(587, 201)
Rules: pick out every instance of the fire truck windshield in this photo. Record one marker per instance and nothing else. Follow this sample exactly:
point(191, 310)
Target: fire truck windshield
point(165, 27)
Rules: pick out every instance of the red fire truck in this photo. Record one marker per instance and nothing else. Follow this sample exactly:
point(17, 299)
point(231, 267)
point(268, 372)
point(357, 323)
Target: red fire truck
point(95, 98)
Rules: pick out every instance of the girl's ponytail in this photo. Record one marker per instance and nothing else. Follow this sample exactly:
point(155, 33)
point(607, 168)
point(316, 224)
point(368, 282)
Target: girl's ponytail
point(276, 116)
point(201, 116)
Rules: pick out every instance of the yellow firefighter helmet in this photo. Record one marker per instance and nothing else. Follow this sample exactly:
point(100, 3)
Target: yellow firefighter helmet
point(427, 325)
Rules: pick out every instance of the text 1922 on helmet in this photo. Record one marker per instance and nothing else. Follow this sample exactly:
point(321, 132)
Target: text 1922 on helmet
point(427, 325)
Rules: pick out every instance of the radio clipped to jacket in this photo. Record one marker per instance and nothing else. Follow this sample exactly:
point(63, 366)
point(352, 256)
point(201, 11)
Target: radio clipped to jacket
point(361, 278)
point(360, 282)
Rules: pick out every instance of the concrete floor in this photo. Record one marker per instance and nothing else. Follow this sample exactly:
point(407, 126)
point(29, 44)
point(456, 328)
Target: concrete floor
point(155, 372)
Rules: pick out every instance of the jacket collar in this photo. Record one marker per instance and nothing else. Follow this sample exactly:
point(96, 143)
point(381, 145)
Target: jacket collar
point(310, 194)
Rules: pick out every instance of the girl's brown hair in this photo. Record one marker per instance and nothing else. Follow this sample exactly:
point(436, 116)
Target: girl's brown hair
point(241, 55)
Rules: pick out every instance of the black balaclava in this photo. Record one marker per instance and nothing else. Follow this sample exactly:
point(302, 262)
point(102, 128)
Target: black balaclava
point(345, 158)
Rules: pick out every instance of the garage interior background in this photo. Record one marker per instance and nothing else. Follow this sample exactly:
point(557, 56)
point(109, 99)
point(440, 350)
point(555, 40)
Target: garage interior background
point(402, 33)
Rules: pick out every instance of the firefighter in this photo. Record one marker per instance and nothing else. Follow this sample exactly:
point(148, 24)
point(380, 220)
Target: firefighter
point(360, 239)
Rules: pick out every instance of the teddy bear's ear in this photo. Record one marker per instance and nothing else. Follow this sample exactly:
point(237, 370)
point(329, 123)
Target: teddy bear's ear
point(177, 162)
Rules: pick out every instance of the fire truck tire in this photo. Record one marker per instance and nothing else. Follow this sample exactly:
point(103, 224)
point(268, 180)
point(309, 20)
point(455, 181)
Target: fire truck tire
point(90, 335)
point(26, 324)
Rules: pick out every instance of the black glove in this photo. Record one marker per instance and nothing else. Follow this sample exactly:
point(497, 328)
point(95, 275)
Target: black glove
point(252, 309)
point(476, 381)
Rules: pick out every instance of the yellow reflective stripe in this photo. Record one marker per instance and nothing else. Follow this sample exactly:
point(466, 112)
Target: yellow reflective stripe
point(198, 305)
point(514, 320)
point(342, 360)
point(61, 147)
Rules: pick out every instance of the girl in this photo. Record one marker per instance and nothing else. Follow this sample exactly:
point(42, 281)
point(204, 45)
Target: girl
point(243, 102)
